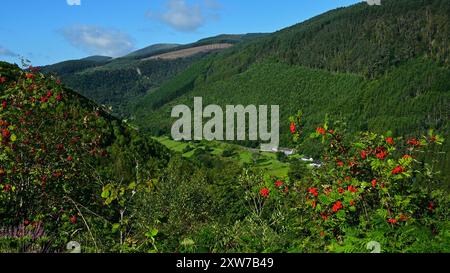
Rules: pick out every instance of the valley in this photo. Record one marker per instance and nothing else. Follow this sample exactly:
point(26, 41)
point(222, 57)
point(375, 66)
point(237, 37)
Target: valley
point(363, 94)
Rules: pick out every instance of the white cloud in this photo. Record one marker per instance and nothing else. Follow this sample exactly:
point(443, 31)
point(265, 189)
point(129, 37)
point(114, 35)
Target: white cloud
point(183, 16)
point(98, 40)
point(213, 4)
point(6, 52)
point(74, 2)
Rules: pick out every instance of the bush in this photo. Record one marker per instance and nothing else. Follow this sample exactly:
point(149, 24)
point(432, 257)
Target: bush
point(376, 188)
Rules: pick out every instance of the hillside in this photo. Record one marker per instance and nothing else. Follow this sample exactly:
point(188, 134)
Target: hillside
point(138, 54)
point(71, 174)
point(376, 68)
point(117, 82)
point(57, 152)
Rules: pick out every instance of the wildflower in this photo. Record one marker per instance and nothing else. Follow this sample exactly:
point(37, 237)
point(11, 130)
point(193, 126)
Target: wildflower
point(29, 76)
point(264, 192)
point(59, 97)
point(49, 94)
point(2, 79)
point(314, 204)
point(430, 206)
point(341, 190)
point(340, 164)
point(69, 158)
point(4, 104)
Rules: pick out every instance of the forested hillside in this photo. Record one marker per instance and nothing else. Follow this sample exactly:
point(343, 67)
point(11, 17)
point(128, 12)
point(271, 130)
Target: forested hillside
point(376, 68)
point(118, 82)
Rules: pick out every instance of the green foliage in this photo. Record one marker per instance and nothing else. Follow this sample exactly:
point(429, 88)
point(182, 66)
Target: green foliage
point(375, 68)
point(58, 150)
point(376, 189)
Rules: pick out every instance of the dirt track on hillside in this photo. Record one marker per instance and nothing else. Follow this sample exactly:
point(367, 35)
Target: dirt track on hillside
point(189, 52)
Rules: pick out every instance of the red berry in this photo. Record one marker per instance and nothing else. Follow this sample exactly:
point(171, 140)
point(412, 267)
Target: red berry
point(264, 192)
point(293, 128)
point(6, 133)
point(392, 221)
point(374, 183)
point(7, 188)
point(279, 183)
point(321, 131)
point(73, 219)
point(390, 140)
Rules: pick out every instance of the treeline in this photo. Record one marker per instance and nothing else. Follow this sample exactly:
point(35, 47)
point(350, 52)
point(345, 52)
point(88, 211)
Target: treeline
point(118, 82)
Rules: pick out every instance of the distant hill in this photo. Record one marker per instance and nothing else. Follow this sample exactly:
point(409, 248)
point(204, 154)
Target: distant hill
point(117, 82)
point(151, 50)
point(97, 58)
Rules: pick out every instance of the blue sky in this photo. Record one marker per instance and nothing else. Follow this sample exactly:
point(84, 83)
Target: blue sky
point(50, 31)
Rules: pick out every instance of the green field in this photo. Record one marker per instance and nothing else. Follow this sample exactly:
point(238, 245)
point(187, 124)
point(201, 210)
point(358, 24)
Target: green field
point(264, 160)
